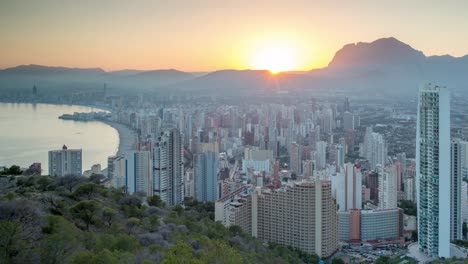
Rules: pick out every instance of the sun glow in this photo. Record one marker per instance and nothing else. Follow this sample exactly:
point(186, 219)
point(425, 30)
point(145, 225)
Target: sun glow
point(275, 58)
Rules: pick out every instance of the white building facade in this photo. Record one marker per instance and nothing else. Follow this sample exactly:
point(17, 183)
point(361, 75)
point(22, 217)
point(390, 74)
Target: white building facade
point(433, 170)
point(65, 162)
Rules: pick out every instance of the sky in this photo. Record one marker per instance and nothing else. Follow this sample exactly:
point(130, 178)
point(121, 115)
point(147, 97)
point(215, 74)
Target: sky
point(205, 35)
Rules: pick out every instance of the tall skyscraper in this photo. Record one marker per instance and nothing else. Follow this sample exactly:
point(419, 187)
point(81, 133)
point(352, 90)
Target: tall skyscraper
point(168, 167)
point(347, 188)
point(348, 121)
point(433, 170)
point(65, 162)
point(410, 181)
point(458, 154)
point(321, 155)
point(314, 137)
point(138, 172)
point(346, 105)
point(295, 157)
point(206, 176)
point(388, 181)
point(340, 156)
point(375, 148)
point(464, 198)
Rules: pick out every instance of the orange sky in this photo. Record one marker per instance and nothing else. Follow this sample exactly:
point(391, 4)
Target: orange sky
point(208, 35)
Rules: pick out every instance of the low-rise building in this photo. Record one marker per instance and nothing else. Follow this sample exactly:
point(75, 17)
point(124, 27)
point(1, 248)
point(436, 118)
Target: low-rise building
point(370, 225)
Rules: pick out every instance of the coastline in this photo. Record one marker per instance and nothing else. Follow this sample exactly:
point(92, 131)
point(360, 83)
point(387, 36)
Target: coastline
point(127, 137)
point(96, 106)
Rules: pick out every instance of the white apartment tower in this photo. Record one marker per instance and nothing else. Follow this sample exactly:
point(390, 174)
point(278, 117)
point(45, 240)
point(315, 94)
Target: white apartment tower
point(433, 170)
point(168, 167)
point(347, 188)
point(375, 148)
point(65, 162)
point(388, 181)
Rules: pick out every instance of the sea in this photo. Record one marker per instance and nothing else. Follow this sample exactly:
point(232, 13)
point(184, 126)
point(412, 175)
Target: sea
point(29, 131)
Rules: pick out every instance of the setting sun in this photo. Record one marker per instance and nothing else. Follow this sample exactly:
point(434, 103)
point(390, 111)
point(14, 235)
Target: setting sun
point(275, 58)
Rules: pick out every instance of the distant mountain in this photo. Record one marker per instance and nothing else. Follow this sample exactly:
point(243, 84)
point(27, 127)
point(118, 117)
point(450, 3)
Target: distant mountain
point(240, 82)
point(153, 79)
point(388, 66)
point(125, 72)
point(383, 67)
point(34, 69)
point(380, 52)
point(62, 79)
point(166, 76)
point(56, 80)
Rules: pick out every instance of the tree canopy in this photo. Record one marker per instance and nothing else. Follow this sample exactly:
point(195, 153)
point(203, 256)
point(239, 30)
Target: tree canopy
point(75, 220)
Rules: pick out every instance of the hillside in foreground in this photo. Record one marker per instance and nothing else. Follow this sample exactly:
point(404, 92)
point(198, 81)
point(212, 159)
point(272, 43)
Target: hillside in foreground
point(76, 220)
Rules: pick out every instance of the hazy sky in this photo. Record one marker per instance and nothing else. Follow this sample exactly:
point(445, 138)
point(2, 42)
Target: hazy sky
point(206, 35)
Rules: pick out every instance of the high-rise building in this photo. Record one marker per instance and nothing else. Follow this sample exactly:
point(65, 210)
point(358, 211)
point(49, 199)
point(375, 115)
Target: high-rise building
point(65, 162)
point(116, 170)
point(410, 188)
point(308, 168)
point(321, 155)
point(340, 156)
point(375, 148)
point(168, 167)
point(302, 215)
point(458, 153)
point(189, 184)
point(373, 185)
point(346, 106)
point(314, 137)
point(464, 198)
point(410, 182)
point(433, 170)
point(274, 147)
point(401, 157)
point(206, 176)
point(348, 121)
point(328, 123)
point(138, 172)
point(332, 153)
point(111, 166)
point(357, 121)
point(347, 188)
point(388, 180)
point(295, 158)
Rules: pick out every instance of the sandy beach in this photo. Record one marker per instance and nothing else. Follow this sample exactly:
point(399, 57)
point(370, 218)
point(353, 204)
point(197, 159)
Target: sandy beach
point(127, 137)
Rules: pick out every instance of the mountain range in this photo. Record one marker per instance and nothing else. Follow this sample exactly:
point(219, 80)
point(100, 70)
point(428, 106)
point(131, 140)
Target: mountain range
point(385, 66)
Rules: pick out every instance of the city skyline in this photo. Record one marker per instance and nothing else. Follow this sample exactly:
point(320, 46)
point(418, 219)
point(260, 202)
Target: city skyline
point(154, 35)
point(233, 131)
